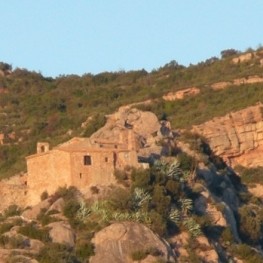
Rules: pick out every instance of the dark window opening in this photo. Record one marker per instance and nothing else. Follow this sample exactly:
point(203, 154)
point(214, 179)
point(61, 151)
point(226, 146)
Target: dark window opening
point(25, 193)
point(80, 175)
point(25, 182)
point(42, 148)
point(87, 160)
point(115, 146)
point(106, 159)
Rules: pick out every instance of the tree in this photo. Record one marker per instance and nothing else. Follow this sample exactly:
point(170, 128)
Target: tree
point(5, 66)
point(229, 52)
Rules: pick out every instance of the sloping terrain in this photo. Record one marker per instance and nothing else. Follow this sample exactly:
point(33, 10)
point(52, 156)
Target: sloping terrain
point(34, 107)
point(190, 205)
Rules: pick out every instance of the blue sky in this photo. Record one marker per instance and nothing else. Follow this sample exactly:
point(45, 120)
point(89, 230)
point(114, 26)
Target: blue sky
point(90, 36)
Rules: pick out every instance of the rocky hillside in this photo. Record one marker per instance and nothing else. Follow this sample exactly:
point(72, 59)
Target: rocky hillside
point(200, 128)
point(34, 107)
point(236, 137)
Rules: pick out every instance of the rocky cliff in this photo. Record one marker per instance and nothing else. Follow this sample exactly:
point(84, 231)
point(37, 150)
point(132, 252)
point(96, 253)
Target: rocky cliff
point(236, 137)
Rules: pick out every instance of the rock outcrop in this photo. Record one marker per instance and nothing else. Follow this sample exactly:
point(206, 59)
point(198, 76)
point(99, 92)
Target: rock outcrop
point(243, 58)
point(181, 94)
point(117, 243)
point(145, 125)
point(237, 82)
point(204, 250)
point(61, 232)
point(236, 137)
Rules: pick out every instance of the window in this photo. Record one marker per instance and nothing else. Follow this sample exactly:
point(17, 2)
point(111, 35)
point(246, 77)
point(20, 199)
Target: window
point(42, 149)
point(87, 160)
point(106, 159)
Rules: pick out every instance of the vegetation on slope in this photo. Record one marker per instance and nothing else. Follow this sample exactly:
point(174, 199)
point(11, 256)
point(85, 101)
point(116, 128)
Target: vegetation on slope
point(33, 107)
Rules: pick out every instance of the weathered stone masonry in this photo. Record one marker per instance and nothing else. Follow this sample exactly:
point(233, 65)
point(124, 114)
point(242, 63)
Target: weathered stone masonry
point(80, 162)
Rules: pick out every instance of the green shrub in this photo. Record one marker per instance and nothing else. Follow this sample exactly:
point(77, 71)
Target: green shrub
point(17, 242)
point(5, 227)
point(187, 162)
point(70, 209)
point(4, 240)
point(139, 255)
point(12, 210)
point(250, 175)
point(32, 231)
point(84, 251)
point(45, 217)
point(227, 236)
point(13, 242)
point(250, 223)
point(44, 196)
point(246, 253)
point(94, 189)
point(121, 177)
point(54, 252)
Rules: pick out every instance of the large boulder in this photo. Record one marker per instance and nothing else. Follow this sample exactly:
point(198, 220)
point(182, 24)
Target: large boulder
point(33, 212)
point(236, 137)
point(119, 241)
point(143, 123)
point(61, 232)
point(145, 126)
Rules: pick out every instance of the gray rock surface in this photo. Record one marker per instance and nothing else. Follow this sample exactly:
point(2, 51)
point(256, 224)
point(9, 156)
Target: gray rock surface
point(117, 242)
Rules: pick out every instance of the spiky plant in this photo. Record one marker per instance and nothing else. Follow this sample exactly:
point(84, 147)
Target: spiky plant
point(175, 215)
point(174, 171)
point(83, 211)
point(186, 205)
point(140, 197)
point(193, 228)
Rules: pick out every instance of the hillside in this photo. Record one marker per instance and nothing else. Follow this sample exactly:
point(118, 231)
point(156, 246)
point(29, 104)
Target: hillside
point(192, 135)
point(33, 107)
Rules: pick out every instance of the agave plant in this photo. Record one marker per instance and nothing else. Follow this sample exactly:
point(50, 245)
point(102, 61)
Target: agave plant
point(161, 166)
point(83, 211)
point(175, 215)
point(193, 227)
point(140, 197)
point(174, 171)
point(186, 205)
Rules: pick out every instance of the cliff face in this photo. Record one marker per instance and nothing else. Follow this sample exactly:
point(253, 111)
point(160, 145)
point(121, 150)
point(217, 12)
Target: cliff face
point(236, 137)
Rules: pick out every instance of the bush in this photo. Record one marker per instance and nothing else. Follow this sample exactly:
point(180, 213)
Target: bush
point(187, 162)
point(65, 193)
point(5, 227)
point(94, 189)
point(44, 196)
point(246, 253)
point(121, 177)
point(250, 223)
point(141, 178)
point(84, 251)
point(139, 255)
point(31, 231)
point(12, 210)
point(70, 209)
point(13, 242)
point(54, 252)
point(45, 217)
point(250, 175)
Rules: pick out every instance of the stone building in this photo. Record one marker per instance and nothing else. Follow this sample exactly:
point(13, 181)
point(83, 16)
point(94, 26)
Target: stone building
point(80, 162)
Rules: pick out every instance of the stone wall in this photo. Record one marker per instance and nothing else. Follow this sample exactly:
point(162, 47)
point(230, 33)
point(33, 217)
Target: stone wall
point(13, 191)
point(99, 172)
point(47, 172)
